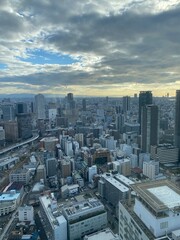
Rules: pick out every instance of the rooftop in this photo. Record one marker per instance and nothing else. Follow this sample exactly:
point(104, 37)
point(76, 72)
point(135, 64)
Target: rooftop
point(105, 234)
point(159, 195)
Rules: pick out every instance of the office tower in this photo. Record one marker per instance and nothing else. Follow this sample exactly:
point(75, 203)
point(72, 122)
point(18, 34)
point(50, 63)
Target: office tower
point(70, 101)
point(145, 98)
point(51, 167)
point(177, 120)
point(40, 106)
point(21, 107)
point(149, 127)
point(119, 121)
point(126, 104)
point(24, 121)
point(11, 131)
point(8, 111)
point(84, 104)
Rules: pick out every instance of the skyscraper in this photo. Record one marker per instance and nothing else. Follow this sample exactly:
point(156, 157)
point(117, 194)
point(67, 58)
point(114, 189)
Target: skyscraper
point(40, 106)
point(177, 120)
point(126, 104)
point(149, 127)
point(145, 97)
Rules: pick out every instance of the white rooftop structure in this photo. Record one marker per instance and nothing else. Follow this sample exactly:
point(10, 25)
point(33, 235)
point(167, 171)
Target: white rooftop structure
point(105, 234)
point(166, 195)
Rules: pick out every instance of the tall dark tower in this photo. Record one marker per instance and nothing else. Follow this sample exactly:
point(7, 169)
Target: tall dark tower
point(145, 98)
point(126, 104)
point(177, 120)
point(149, 127)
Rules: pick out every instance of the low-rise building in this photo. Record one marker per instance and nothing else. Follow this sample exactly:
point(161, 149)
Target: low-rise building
point(84, 218)
point(9, 202)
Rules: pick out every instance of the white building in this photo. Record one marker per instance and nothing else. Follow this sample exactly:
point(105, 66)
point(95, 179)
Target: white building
point(124, 167)
point(68, 148)
point(91, 172)
point(26, 213)
point(9, 202)
point(151, 169)
point(56, 224)
point(155, 213)
point(105, 234)
point(20, 175)
point(84, 218)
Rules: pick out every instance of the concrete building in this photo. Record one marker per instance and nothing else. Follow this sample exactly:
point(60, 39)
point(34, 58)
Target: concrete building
point(126, 104)
point(151, 169)
point(165, 153)
point(11, 131)
point(101, 156)
point(84, 218)
point(26, 213)
point(106, 234)
point(124, 166)
point(9, 202)
point(112, 189)
point(149, 127)
point(20, 175)
point(49, 143)
point(8, 111)
point(91, 172)
point(154, 214)
point(79, 137)
point(2, 136)
point(108, 142)
point(24, 121)
point(56, 224)
point(40, 106)
point(177, 120)
point(145, 98)
point(65, 166)
point(51, 167)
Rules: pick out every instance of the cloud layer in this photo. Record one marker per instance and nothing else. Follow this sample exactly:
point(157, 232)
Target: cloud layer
point(118, 48)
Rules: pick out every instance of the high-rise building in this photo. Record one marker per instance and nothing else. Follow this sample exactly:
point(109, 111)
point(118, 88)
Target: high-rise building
point(8, 111)
point(149, 127)
point(21, 107)
point(84, 104)
point(145, 97)
point(24, 125)
point(126, 104)
point(11, 131)
point(40, 106)
point(177, 120)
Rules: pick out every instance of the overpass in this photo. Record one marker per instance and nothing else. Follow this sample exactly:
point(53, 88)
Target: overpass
point(5, 150)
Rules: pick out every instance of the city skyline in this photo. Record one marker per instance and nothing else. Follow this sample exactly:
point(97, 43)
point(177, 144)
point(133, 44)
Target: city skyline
point(94, 48)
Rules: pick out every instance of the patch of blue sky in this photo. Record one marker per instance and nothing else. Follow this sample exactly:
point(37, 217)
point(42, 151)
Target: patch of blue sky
point(40, 56)
point(3, 66)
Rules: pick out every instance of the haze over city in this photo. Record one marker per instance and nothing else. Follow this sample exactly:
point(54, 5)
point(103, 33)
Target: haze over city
point(90, 48)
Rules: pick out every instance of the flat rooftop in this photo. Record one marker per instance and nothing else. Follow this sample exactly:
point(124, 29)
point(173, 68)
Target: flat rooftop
point(91, 205)
point(116, 183)
point(159, 195)
point(105, 234)
point(9, 196)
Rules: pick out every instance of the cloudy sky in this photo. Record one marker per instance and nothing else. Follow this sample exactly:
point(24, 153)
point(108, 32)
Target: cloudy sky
point(90, 48)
